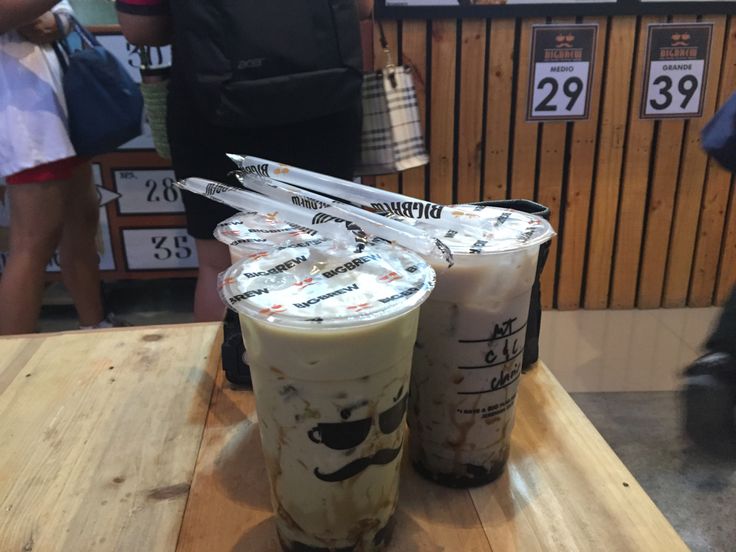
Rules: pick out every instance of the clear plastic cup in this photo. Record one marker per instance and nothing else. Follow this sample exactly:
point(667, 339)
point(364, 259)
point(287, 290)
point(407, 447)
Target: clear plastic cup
point(247, 233)
point(470, 347)
point(330, 336)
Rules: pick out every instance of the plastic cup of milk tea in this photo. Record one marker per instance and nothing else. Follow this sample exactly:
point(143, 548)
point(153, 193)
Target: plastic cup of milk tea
point(330, 336)
point(470, 345)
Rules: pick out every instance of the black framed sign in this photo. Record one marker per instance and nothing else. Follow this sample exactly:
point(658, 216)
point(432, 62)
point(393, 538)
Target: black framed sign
point(676, 69)
point(401, 9)
point(561, 72)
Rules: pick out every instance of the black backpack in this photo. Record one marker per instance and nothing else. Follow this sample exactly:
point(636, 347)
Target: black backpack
point(253, 63)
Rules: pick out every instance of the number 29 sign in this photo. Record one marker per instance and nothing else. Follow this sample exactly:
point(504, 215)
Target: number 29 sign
point(676, 66)
point(561, 71)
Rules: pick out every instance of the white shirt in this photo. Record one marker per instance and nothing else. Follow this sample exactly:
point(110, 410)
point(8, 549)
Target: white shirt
point(33, 115)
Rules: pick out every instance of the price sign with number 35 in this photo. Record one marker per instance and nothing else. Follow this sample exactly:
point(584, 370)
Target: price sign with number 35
point(560, 72)
point(676, 68)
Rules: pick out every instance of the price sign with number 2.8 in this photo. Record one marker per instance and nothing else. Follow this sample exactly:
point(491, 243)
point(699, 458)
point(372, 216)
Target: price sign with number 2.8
point(561, 70)
point(676, 67)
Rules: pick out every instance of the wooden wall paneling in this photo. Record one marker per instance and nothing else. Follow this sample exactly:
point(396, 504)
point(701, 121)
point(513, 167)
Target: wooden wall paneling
point(551, 173)
point(715, 199)
point(442, 110)
point(523, 171)
point(470, 124)
point(553, 136)
point(607, 180)
point(579, 188)
point(727, 271)
point(387, 181)
point(498, 108)
point(630, 223)
point(660, 206)
point(414, 54)
point(691, 182)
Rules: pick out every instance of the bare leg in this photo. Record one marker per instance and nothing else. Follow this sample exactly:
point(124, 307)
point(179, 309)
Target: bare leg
point(79, 261)
point(214, 257)
point(36, 216)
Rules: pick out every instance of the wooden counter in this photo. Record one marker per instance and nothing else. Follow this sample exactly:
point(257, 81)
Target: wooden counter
point(106, 438)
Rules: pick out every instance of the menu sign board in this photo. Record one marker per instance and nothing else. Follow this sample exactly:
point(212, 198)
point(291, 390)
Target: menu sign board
point(561, 70)
point(675, 72)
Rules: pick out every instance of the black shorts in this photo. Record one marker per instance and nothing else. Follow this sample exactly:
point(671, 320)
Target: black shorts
point(329, 145)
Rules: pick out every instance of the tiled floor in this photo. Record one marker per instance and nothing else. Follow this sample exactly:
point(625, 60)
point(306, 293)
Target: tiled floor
point(622, 368)
point(627, 350)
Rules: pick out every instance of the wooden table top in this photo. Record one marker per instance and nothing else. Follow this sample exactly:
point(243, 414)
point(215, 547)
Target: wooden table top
point(133, 440)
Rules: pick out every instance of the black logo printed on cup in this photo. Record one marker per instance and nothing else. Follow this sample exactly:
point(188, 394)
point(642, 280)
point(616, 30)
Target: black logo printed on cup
point(348, 435)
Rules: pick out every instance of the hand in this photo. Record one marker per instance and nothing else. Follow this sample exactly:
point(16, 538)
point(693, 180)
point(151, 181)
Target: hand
point(42, 31)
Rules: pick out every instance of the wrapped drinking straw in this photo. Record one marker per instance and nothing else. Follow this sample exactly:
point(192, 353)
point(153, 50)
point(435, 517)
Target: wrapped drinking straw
point(335, 228)
point(329, 221)
point(388, 229)
point(374, 199)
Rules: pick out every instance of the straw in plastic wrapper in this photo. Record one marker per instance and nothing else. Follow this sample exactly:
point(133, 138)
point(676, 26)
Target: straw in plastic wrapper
point(381, 201)
point(388, 229)
point(335, 228)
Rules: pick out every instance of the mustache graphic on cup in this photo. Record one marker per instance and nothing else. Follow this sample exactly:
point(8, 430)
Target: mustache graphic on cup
point(348, 435)
point(382, 457)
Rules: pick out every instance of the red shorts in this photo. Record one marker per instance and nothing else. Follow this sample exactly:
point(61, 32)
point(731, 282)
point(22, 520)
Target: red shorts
point(56, 170)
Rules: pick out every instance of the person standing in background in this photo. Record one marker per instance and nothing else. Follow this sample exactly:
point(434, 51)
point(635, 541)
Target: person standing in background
point(329, 143)
point(53, 202)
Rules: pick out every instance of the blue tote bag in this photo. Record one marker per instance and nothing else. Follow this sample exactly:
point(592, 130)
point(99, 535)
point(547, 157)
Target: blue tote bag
point(719, 135)
point(105, 104)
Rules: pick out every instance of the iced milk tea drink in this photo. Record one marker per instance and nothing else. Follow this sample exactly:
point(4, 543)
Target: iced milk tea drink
point(470, 345)
point(330, 336)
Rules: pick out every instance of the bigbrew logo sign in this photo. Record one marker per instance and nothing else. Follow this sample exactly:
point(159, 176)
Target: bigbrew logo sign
point(676, 67)
point(561, 71)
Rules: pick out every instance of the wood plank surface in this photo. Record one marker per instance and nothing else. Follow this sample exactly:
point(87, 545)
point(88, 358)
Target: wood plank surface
point(390, 182)
point(551, 173)
point(414, 54)
point(715, 199)
point(691, 182)
point(524, 164)
point(552, 162)
point(574, 239)
point(727, 272)
point(498, 108)
point(563, 490)
point(442, 111)
point(660, 207)
point(470, 126)
point(100, 433)
point(639, 137)
point(613, 123)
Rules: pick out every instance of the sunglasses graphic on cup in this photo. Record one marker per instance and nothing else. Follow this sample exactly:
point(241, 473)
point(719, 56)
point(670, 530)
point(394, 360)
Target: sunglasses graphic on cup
point(347, 435)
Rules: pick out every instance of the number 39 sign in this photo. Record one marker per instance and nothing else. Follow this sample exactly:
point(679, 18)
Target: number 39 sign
point(561, 71)
point(676, 66)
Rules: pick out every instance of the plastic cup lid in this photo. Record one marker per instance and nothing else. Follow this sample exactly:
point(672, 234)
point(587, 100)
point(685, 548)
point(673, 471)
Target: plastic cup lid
point(328, 285)
point(499, 230)
point(252, 231)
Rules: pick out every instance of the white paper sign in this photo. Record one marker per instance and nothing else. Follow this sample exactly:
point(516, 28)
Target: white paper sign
point(147, 191)
point(677, 62)
point(561, 72)
point(159, 249)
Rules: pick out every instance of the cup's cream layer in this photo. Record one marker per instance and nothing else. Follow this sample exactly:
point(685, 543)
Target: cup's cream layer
point(304, 377)
point(453, 423)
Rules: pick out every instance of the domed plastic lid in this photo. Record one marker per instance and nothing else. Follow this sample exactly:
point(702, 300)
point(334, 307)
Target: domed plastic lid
point(327, 285)
point(252, 231)
point(499, 230)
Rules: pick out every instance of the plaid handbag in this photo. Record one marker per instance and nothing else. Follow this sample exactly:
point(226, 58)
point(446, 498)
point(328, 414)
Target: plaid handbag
point(392, 138)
